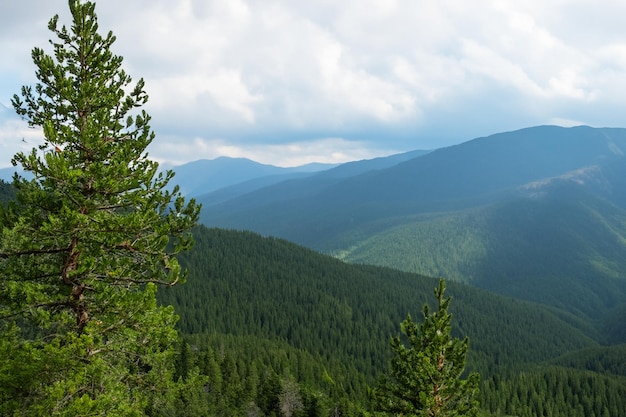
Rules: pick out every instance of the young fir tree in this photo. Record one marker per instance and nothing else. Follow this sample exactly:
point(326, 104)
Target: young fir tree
point(425, 376)
point(87, 241)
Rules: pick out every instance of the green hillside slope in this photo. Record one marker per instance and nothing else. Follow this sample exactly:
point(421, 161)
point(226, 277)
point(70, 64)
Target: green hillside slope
point(562, 247)
point(7, 192)
point(244, 284)
point(316, 212)
point(537, 214)
point(275, 308)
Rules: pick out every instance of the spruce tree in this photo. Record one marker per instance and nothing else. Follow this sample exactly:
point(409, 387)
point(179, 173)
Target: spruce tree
point(87, 241)
point(425, 377)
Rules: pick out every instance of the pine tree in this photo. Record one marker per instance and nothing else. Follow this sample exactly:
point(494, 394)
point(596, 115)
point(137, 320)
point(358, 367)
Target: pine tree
point(290, 399)
point(425, 378)
point(88, 240)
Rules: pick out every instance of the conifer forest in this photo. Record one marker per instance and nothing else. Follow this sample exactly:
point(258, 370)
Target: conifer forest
point(115, 301)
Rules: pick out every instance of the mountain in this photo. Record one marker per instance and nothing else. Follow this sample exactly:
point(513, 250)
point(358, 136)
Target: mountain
point(270, 303)
point(470, 174)
point(204, 176)
point(6, 174)
point(256, 194)
point(331, 174)
point(350, 169)
point(536, 213)
point(564, 248)
point(241, 284)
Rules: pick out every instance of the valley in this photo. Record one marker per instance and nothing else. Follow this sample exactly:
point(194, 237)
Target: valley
point(303, 275)
point(537, 214)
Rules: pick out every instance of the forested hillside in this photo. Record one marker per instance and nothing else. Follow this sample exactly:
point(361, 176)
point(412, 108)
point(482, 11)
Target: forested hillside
point(319, 213)
point(7, 192)
point(95, 321)
point(260, 312)
point(290, 310)
point(536, 214)
point(562, 248)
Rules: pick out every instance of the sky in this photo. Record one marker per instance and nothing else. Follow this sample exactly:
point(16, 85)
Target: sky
point(292, 82)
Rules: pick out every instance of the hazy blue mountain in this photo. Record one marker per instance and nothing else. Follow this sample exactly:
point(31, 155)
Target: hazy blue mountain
point(6, 174)
point(309, 182)
point(350, 169)
point(317, 211)
point(204, 176)
point(245, 187)
point(480, 170)
point(537, 213)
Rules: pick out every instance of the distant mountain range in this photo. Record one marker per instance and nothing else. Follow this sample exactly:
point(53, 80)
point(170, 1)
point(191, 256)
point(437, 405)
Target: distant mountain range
point(204, 176)
point(538, 213)
point(261, 176)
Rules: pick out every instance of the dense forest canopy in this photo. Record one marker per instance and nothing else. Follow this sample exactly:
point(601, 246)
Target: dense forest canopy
point(262, 327)
point(327, 320)
point(85, 241)
point(7, 192)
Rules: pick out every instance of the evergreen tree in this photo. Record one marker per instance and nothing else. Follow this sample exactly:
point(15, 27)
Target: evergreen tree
point(425, 376)
point(290, 399)
point(87, 241)
point(7, 192)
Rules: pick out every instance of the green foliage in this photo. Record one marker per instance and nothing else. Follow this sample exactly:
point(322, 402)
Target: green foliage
point(563, 248)
point(554, 392)
point(327, 323)
point(7, 192)
point(245, 284)
point(244, 375)
point(451, 245)
point(425, 376)
point(87, 240)
point(605, 360)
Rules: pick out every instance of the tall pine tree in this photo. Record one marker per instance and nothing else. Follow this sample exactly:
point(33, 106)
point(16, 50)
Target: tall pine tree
point(425, 379)
point(88, 240)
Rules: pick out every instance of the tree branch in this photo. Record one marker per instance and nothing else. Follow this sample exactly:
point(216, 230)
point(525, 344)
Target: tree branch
point(126, 280)
point(46, 305)
point(33, 252)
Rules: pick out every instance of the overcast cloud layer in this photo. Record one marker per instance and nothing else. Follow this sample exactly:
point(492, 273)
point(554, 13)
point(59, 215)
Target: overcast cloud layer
point(290, 82)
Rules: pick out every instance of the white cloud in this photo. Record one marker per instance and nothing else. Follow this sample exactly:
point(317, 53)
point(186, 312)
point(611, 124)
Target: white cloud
point(225, 88)
point(569, 83)
point(564, 122)
point(16, 136)
point(360, 91)
point(481, 60)
point(323, 150)
point(279, 71)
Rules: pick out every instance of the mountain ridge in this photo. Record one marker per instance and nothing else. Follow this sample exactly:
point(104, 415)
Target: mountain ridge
point(449, 178)
point(556, 194)
point(206, 175)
